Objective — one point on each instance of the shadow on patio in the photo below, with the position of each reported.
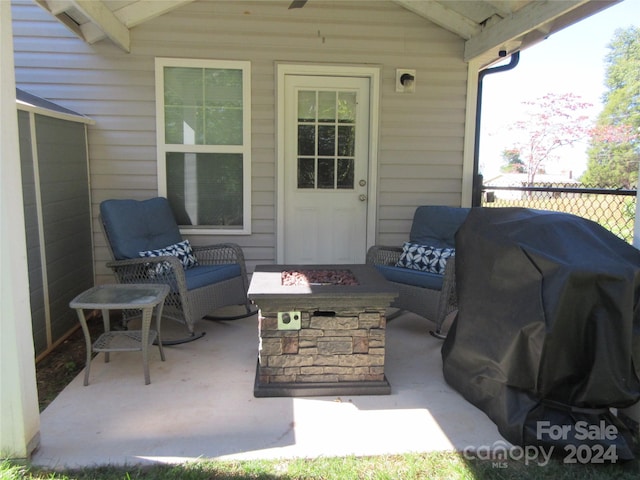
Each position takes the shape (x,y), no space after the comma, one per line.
(200,404)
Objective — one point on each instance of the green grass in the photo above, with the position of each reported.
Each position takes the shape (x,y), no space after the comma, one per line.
(432,466)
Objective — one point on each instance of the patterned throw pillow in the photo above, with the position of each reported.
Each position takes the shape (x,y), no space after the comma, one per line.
(182,250)
(425,258)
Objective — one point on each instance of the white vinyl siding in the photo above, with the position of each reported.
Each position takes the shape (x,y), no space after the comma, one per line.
(421,135)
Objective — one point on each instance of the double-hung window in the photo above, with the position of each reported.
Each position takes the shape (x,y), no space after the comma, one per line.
(204,143)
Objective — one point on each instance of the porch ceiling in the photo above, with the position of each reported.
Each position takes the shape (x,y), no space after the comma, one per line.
(487,26)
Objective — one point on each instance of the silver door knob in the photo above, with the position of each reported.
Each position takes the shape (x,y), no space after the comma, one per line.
(362,197)
(362,182)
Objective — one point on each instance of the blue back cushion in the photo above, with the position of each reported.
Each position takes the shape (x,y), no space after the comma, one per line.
(436,225)
(135,226)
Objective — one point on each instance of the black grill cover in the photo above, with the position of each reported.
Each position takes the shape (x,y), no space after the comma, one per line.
(548,327)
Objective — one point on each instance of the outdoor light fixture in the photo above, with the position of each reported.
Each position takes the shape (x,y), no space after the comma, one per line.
(405,80)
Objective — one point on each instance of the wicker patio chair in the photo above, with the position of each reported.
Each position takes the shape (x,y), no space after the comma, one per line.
(202,279)
(430,295)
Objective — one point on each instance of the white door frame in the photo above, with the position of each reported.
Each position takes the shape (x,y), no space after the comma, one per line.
(370,72)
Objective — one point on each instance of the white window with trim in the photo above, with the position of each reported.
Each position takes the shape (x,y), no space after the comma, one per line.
(203,111)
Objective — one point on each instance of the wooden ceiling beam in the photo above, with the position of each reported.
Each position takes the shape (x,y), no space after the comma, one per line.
(503,7)
(143,10)
(56,7)
(98,13)
(531,17)
(59,9)
(102,22)
(437,13)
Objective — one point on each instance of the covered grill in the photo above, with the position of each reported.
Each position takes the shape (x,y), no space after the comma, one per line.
(547,337)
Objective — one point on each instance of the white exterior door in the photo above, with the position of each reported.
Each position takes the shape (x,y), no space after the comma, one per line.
(326,169)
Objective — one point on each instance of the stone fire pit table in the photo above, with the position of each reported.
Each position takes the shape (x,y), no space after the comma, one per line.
(322,330)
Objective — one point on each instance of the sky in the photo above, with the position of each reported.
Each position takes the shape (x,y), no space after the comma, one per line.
(569,61)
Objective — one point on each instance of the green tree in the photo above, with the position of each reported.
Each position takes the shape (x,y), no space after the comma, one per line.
(615,142)
(512,163)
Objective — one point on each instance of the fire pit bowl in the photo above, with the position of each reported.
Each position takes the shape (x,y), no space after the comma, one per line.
(318,277)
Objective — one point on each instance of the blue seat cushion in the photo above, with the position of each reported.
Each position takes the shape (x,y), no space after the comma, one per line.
(203,275)
(408,276)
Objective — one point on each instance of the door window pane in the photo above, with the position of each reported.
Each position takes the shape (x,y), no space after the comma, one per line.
(347,107)
(306,140)
(326,140)
(306,173)
(346,141)
(327,106)
(306,106)
(326,173)
(345,173)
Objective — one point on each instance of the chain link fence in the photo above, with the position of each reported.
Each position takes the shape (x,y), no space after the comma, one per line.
(613,209)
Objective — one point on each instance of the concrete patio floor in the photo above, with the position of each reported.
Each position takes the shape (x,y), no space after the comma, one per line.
(200,405)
